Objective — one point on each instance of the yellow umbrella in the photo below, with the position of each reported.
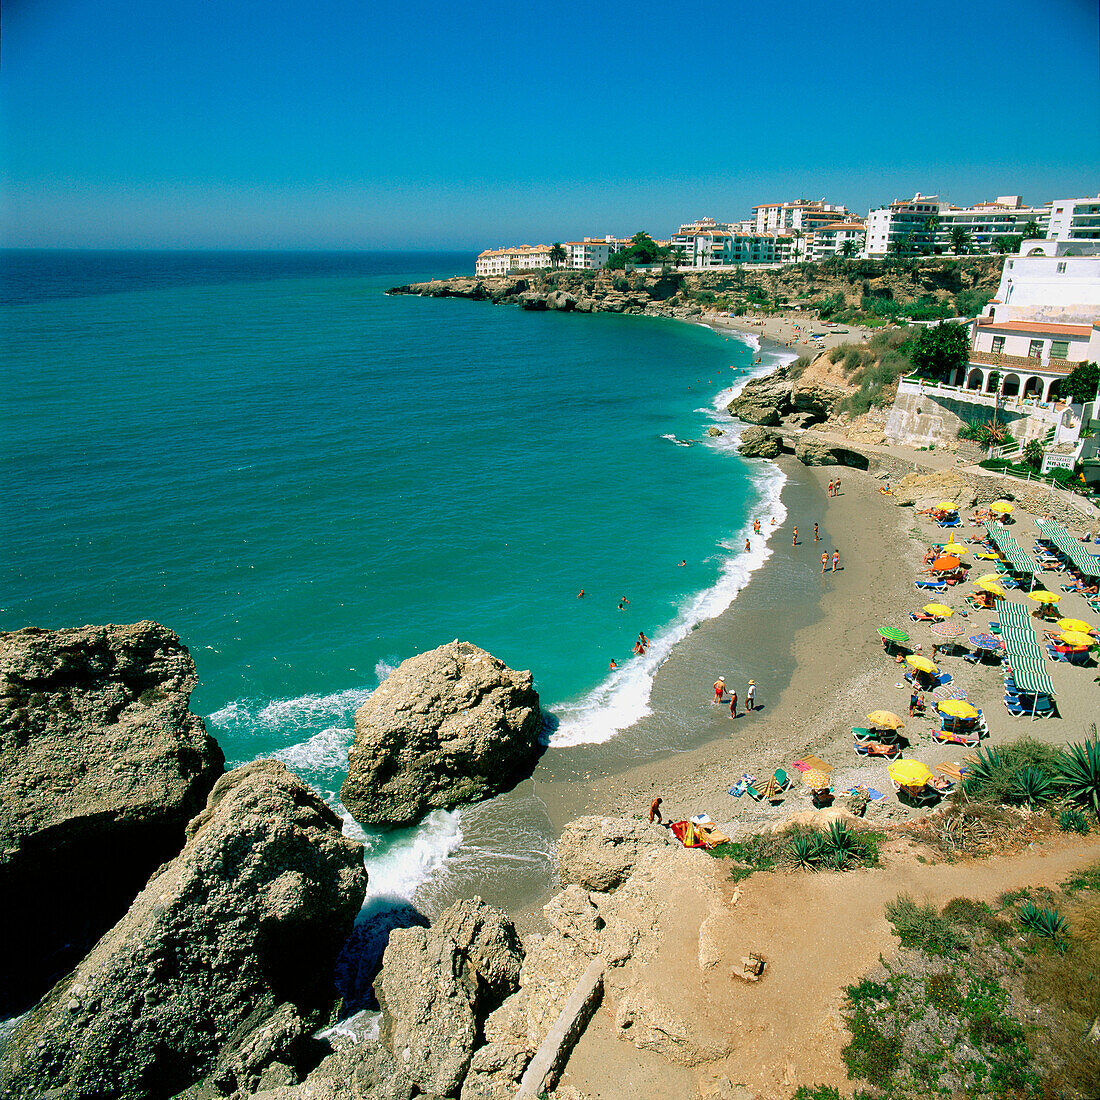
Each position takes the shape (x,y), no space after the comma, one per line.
(938,609)
(1073,624)
(994,577)
(1076,637)
(955,548)
(885,719)
(1001,506)
(956,708)
(816,780)
(948,506)
(1041,595)
(991,587)
(922,663)
(909,773)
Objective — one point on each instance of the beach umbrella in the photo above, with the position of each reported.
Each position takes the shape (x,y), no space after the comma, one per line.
(893,634)
(949,691)
(947,631)
(996,578)
(938,609)
(909,773)
(1041,595)
(886,719)
(992,587)
(956,708)
(1074,624)
(948,506)
(955,548)
(985,641)
(1077,637)
(946,564)
(921,663)
(1001,506)
(816,780)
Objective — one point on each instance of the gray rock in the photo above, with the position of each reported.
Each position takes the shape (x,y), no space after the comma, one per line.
(599,853)
(561,300)
(714,432)
(759,442)
(449,726)
(247,918)
(812,451)
(101,766)
(533,300)
(764,400)
(438,985)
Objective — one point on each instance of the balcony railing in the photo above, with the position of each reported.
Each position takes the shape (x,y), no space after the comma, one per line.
(1023,362)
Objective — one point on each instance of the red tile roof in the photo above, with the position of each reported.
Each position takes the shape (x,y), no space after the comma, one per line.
(1041,328)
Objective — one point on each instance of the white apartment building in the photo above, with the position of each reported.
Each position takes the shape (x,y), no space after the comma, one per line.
(723,247)
(804,214)
(590,254)
(1074,220)
(501,261)
(922,225)
(829,240)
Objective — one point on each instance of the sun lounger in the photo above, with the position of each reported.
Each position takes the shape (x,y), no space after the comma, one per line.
(952,770)
(953,737)
(931,586)
(877,748)
(921,617)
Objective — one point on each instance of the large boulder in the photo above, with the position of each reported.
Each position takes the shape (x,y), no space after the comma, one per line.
(759,442)
(764,400)
(816,398)
(437,987)
(599,853)
(101,766)
(224,961)
(812,450)
(450,726)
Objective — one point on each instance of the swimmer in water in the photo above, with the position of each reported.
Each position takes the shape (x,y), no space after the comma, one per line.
(683,562)
(580,594)
(773,521)
(748,546)
(613,666)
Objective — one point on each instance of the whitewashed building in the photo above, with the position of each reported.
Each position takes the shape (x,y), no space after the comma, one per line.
(830,240)
(590,254)
(805,215)
(1074,220)
(502,261)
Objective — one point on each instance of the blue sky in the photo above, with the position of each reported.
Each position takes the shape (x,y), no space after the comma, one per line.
(377,124)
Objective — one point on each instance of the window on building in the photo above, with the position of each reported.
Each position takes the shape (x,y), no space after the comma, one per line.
(1061,268)
(1059,349)
(1035,350)
(998,345)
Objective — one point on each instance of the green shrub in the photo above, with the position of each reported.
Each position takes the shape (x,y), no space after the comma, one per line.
(921,926)
(837,353)
(1031,787)
(872,1055)
(993,774)
(1078,772)
(1073,821)
(1044,922)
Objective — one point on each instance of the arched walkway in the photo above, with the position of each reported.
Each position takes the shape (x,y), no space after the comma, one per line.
(991,382)
(975,379)
(1012,385)
(1033,387)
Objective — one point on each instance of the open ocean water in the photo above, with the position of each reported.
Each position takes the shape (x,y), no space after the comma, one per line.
(310,481)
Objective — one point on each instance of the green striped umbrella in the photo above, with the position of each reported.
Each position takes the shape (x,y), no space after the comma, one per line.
(893,634)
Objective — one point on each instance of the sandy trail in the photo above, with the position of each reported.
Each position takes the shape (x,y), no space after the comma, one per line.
(820,932)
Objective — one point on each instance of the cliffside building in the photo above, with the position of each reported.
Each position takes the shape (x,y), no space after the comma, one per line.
(501,261)
(830,240)
(1044,322)
(922,225)
(590,254)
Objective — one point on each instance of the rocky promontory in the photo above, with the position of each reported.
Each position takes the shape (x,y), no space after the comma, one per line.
(445,727)
(222,966)
(101,766)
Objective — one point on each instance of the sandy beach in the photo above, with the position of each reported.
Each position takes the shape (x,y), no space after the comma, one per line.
(798,331)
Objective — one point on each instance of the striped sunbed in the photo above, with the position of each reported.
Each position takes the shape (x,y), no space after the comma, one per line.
(1011,551)
(1069,547)
(1023,651)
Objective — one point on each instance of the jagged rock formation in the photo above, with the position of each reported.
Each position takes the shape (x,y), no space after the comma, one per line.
(599,853)
(436,988)
(450,726)
(758,442)
(811,450)
(101,766)
(222,965)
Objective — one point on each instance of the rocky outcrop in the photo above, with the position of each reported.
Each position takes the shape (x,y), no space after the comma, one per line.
(599,853)
(101,765)
(816,398)
(927,489)
(812,450)
(222,965)
(765,400)
(450,726)
(758,442)
(437,987)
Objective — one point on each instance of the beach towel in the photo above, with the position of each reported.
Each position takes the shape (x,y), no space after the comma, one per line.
(811,761)
(874,795)
(687,834)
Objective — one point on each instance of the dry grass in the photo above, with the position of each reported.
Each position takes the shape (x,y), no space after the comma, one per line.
(965,828)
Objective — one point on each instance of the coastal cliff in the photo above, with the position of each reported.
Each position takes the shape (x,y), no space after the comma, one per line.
(101,766)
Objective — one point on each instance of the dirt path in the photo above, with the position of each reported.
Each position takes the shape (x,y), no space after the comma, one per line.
(819,932)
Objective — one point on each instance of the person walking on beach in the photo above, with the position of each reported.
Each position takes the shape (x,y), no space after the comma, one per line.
(817,538)
(750,696)
(748,545)
(836,559)
(655,811)
(830,488)
(719,688)
(824,562)
(836,488)
(794,537)
(733,704)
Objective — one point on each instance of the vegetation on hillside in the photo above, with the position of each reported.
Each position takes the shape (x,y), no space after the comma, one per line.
(643,250)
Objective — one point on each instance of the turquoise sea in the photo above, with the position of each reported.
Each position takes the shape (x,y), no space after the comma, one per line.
(310,480)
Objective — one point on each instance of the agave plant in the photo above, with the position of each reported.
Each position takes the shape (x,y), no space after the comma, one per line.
(1079,773)
(805,849)
(1031,787)
(840,838)
(1073,821)
(984,767)
(1043,922)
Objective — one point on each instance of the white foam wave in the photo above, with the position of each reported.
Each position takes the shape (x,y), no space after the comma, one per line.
(244,715)
(382,670)
(406,860)
(326,751)
(623,697)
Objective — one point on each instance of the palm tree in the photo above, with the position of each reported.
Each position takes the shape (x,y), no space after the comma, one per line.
(1031,230)
(931,225)
(557,254)
(678,255)
(960,238)
(797,234)
(848,249)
